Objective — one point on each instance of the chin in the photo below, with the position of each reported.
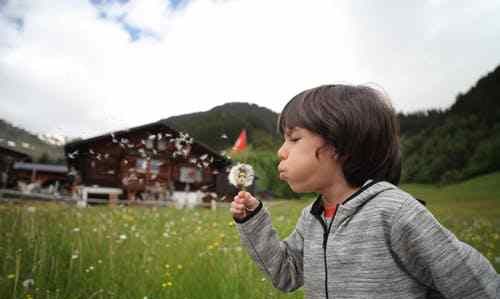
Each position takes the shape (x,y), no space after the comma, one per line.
(297,189)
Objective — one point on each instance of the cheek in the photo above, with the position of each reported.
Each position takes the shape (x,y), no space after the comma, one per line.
(304,172)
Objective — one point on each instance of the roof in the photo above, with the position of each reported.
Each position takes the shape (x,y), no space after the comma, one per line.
(40,167)
(70,147)
(13,152)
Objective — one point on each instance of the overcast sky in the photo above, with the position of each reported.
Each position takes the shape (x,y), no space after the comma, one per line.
(82,68)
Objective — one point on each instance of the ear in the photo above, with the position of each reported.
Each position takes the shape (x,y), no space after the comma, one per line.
(333,152)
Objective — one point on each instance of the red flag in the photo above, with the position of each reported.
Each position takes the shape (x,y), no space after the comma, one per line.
(241,142)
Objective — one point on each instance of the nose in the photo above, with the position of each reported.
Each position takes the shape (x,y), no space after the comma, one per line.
(282,152)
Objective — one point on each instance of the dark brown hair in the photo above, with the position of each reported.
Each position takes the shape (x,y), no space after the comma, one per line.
(358,121)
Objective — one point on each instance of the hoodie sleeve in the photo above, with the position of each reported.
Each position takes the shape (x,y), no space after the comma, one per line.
(437,259)
(281,261)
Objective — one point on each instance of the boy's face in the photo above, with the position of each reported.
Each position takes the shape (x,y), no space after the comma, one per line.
(300,167)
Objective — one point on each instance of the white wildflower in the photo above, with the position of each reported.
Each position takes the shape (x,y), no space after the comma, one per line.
(241,175)
(123,237)
(28,283)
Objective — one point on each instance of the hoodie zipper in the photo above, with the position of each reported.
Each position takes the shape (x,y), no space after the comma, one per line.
(326,233)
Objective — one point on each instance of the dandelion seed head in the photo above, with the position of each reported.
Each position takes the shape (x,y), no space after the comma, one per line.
(241,175)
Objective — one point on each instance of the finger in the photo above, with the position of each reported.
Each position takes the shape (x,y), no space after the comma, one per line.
(242,194)
(238,206)
(238,213)
(238,199)
(245,197)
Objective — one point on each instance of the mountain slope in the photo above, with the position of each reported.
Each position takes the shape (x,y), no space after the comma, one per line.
(211,127)
(460,142)
(23,141)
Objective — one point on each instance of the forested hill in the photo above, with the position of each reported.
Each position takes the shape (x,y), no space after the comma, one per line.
(220,127)
(458,143)
(482,100)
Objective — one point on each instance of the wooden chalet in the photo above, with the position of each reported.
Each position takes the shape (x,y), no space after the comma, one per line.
(8,157)
(152,160)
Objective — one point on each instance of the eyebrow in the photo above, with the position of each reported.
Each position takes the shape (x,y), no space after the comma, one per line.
(290,131)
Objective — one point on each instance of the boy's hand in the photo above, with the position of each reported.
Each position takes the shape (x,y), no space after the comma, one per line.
(242,204)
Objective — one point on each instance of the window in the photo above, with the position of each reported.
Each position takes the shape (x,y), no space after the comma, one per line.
(155,166)
(141,165)
(190,175)
(151,166)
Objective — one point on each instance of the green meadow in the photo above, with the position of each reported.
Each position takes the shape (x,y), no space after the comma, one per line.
(54,250)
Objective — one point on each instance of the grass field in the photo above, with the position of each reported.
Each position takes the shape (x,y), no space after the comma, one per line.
(53,250)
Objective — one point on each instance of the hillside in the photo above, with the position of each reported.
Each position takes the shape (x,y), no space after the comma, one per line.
(458,143)
(221,126)
(23,141)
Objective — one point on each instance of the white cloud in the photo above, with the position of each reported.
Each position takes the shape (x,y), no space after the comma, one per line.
(70,72)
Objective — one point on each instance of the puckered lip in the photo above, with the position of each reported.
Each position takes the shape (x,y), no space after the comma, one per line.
(281,172)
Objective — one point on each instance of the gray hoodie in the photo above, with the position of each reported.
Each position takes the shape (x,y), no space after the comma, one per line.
(382,243)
